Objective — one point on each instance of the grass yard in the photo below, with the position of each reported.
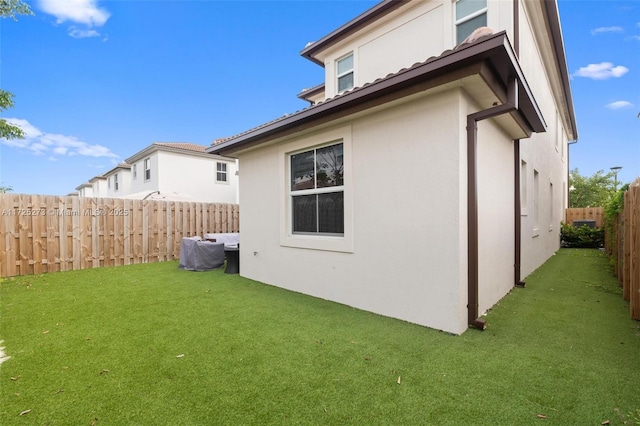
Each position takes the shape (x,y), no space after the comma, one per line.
(154,345)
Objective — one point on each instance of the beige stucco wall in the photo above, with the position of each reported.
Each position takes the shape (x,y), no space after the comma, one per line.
(545,153)
(409,227)
(411,34)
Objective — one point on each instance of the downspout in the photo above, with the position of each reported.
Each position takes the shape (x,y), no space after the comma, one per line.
(517,216)
(517,210)
(472,197)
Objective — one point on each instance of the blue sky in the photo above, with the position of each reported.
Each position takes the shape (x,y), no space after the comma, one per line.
(97,81)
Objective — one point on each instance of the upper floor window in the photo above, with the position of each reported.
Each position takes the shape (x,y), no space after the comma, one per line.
(344,73)
(317,191)
(221,172)
(147,168)
(470,15)
(134,171)
(115,182)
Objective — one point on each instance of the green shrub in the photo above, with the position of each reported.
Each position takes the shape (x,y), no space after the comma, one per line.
(582,237)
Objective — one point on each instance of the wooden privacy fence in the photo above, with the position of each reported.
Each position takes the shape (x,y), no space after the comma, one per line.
(50,233)
(627,248)
(588,213)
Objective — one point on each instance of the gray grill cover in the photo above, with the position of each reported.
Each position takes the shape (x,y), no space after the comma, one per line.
(197,255)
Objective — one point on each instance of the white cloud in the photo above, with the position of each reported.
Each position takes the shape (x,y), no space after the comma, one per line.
(77,33)
(600,30)
(601,71)
(54,145)
(84,12)
(619,105)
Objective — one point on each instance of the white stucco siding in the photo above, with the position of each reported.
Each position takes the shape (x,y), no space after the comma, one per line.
(140,184)
(426,32)
(412,34)
(496,228)
(405,261)
(196,176)
(544,153)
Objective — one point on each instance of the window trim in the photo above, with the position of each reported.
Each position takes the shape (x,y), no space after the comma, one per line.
(225,172)
(341,243)
(345,73)
(147,169)
(458,21)
(134,170)
(115,183)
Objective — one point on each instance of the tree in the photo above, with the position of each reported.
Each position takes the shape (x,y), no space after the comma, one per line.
(5,188)
(9,9)
(590,191)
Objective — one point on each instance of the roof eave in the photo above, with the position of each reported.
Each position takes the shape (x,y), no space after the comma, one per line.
(433,72)
(376,12)
(553,16)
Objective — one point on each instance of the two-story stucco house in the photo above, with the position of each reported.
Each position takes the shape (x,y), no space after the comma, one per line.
(185,169)
(98,186)
(169,171)
(428,176)
(118,181)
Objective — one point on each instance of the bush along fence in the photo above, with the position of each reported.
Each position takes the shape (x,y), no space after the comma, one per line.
(50,233)
(587,213)
(573,234)
(622,227)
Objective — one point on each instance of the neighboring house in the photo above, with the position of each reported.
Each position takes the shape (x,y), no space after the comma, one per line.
(99,186)
(185,169)
(169,171)
(119,181)
(85,190)
(425,180)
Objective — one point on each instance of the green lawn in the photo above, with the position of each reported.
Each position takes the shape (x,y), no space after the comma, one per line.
(154,345)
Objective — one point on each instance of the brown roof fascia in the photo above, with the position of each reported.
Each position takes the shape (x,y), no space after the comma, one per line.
(376,12)
(553,18)
(450,66)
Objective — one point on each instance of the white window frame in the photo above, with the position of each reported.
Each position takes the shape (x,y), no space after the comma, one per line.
(466,18)
(115,183)
(134,171)
(147,169)
(224,172)
(109,182)
(345,73)
(339,243)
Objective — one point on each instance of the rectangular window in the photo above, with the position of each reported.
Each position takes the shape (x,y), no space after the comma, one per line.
(317,191)
(109,182)
(115,182)
(135,171)
(147,169)
(344,73)
(470,15)
(221,172)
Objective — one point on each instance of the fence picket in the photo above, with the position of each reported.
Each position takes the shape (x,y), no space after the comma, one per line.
(40,233)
